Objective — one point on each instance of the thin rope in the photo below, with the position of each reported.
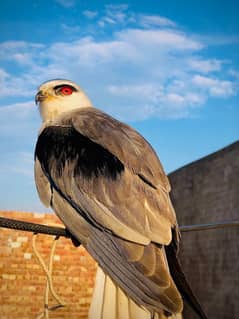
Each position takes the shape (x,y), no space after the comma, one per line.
(33,227)
(209,226)
(59,231)
(49,283)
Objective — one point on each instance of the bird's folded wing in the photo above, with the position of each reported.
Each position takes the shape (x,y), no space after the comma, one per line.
(122,141)
(111,173)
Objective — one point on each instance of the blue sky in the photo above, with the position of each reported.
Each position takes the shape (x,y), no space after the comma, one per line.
(168,68)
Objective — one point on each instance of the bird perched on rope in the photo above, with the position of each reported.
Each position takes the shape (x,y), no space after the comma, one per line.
(107,185)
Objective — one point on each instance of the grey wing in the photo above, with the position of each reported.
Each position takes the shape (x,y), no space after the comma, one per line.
(133,203)
(100,178)
(107,185)
(124,142)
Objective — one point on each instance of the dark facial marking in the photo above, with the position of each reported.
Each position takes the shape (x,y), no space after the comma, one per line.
(59,89)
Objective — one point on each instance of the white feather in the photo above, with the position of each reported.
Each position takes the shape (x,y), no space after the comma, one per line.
(54,105)
(110,302)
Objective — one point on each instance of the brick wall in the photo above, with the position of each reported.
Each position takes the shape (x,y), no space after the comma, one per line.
(22,280)
(202,192)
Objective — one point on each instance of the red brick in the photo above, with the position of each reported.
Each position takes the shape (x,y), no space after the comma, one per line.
(22,281)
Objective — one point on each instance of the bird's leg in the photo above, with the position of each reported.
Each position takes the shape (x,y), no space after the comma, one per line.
(74,240)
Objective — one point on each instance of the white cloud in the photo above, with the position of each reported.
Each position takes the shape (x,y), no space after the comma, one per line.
(183,101)
(205,66)
(20,110)
(156,20)
(70,29)
(155,99)
(234,73)
(20,52)
(107,20)
(133,45)
(116,15)
(17,45)
(90,14)
(3,75)
(143,90)
(14,86)
(158,70)
(161,39)
(114,19)
(217,88)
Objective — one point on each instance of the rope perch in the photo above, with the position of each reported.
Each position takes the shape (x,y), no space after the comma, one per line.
(59,231)
(33,227)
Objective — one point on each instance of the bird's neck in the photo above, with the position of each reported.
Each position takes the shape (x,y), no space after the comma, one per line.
(51,109)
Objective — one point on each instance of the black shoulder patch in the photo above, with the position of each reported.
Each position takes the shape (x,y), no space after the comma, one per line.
(57,145)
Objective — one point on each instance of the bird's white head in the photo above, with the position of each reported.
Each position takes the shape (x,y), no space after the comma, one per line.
(57,96)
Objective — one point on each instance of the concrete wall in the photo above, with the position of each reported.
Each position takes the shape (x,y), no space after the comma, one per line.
(202,192)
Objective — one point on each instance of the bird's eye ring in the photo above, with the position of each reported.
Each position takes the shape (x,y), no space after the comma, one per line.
(66,90)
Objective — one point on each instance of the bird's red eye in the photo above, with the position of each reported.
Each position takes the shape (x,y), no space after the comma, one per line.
(66,90)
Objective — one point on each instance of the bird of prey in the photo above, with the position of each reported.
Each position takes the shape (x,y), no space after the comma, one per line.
(107,185)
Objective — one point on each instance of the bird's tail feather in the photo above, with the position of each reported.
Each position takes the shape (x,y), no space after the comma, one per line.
(110,302)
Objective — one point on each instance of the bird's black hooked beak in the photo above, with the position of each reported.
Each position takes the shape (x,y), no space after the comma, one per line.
(39,97)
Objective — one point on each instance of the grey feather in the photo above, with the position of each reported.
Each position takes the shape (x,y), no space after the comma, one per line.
(108,187)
